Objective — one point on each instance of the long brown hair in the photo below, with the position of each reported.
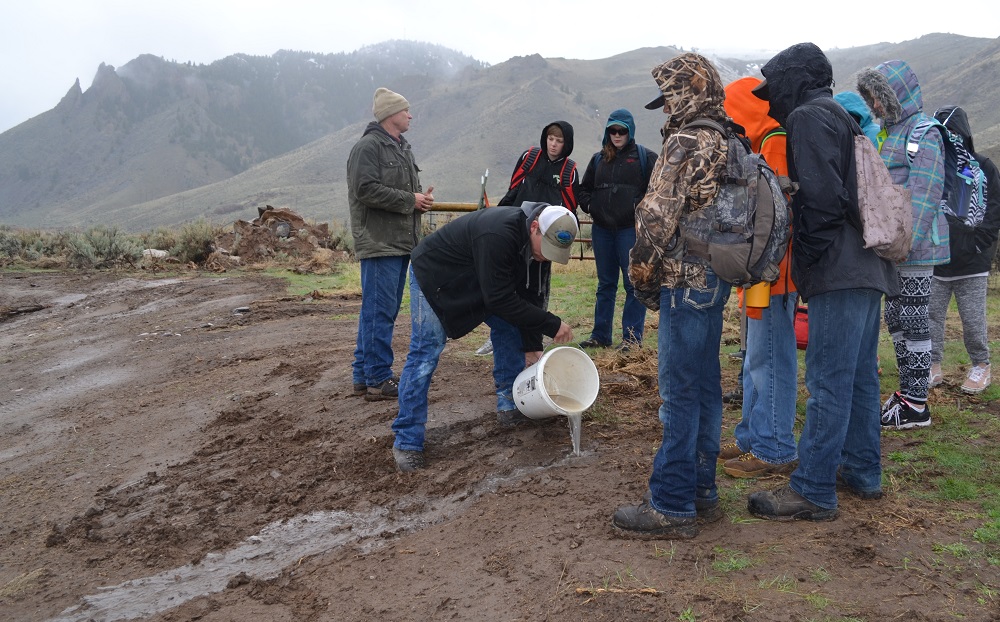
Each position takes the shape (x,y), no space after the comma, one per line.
(608,151)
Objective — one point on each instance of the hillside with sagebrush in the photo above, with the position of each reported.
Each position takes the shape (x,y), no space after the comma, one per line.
(160,143)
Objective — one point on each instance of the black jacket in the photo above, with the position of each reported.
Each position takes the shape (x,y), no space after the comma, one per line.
(972,248)
(610,191)
(828,250)
(479,265)
(544,182)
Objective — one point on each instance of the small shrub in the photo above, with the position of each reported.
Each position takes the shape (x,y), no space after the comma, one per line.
(195,241)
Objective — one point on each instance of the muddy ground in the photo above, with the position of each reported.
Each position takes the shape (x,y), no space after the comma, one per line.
(188,448)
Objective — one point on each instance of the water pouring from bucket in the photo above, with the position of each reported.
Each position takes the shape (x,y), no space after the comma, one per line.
(563,382)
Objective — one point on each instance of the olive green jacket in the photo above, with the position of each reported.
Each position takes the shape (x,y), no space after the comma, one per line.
(382,178)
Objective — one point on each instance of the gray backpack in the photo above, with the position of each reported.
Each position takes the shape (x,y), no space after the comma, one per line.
(743,235)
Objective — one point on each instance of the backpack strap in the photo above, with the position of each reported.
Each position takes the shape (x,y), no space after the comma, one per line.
(566,181)
(643,160)
(528,163)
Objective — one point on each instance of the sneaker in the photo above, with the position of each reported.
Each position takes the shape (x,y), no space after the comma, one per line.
(738,355)
(512,418)
(593,343)
(978,380)
(388,390)
(902,416)
(894,399)
(486,348)
(733,397)
(785,504)
(749,465)
(642,521)
(360,389)
(729,451)
(936,377)
(407,460)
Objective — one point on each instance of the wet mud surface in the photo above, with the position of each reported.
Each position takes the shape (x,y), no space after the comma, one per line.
(164,457)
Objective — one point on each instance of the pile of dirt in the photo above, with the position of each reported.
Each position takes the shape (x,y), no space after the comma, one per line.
(277,232)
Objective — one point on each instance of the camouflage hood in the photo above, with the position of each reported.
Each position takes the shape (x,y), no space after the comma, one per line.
(690,89)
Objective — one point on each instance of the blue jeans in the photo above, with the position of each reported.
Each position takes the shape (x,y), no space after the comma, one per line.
(382,282)
(611,255)
(770,384)
(427,341)
(842,414)
(690,386)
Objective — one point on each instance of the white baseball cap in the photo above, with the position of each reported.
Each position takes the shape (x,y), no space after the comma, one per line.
(559,229)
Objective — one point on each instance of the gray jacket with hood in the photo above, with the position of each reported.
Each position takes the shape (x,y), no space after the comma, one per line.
(828,250)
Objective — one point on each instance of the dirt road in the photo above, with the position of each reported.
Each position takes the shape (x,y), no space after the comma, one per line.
(188,448)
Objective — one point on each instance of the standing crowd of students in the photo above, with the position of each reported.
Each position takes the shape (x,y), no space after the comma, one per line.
(492,267)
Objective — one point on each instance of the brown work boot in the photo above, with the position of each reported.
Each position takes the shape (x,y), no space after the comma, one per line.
(749,465)
(729,451)
(785,504)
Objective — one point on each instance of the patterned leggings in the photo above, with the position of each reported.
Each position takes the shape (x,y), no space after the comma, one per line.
(908,322)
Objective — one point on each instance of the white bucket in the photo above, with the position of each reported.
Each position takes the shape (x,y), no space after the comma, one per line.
(563,382)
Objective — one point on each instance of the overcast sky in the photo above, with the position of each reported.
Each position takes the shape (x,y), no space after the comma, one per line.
(45,45)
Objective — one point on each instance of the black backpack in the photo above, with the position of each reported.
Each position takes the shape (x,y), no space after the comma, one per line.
(743,235)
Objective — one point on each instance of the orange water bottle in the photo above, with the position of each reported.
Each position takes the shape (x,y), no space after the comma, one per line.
(758,295)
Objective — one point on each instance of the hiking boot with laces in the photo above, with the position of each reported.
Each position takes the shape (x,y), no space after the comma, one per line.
(707,511)
(408,460)
(643,521)
(902,416)
(729,451)
(749,465)
(978,380)
(387,390)
(936,377)
(785,504)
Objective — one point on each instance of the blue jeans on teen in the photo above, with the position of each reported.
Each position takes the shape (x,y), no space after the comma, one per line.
(842,414)
(690,380)
(382,282)
(427,341)
(770,384)
(611,256)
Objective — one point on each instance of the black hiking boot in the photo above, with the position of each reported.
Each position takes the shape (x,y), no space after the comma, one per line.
(784,504)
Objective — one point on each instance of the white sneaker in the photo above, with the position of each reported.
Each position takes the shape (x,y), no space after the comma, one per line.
(486,348)
(936,376)
(978,380)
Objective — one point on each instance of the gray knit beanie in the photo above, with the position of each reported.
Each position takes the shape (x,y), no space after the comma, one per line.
(388,103)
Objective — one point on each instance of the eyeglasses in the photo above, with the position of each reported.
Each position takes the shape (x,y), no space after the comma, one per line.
(618,130)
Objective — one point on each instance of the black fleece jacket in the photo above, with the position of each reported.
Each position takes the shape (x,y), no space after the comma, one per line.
(480,265)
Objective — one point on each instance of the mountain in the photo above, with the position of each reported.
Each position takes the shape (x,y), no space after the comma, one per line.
(158,143)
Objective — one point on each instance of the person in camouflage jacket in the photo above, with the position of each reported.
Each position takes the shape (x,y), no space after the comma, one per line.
(684,179)
(690,299)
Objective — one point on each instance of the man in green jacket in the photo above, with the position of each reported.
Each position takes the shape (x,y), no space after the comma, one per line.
(386,202)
